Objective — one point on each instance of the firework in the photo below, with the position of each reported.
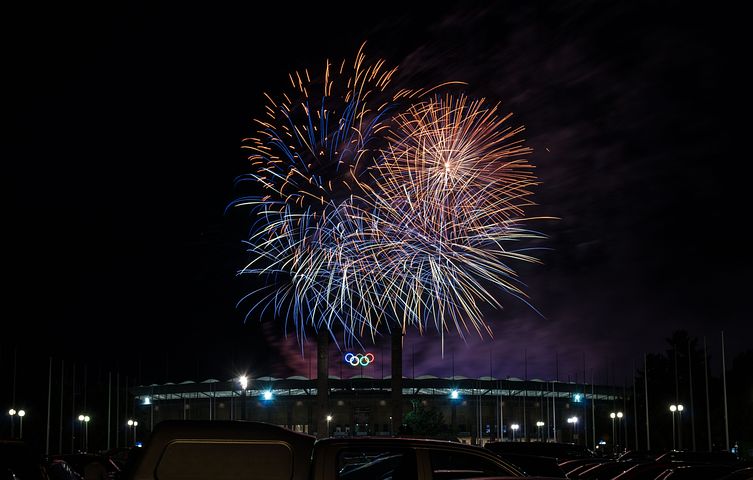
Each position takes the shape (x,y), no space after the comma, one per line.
(384,209)
(449,202)
(310,153)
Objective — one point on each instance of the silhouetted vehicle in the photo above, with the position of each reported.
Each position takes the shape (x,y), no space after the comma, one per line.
(717,458)
(602,471)
(642,471)
(534,465)
(59,470)
(571,467)
(90,466)
(640,456)
(249,450)
(119,455)
(18,461)
(695,472)
(559,451)
(742,474)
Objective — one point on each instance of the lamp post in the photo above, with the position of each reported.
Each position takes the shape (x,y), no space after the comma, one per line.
(81,430)
(680,408)
(514,427)
(619,428)
(540,424)
(133,424)
(619,416)
(574,422)
(84,419)
(12,412)
(673,409)
(243,380)
(329,419)
(21,415)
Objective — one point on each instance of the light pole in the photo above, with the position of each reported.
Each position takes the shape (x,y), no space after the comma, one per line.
(680,408)
(574,422)
(84,419)
(12,412)
(613,415)
(619,427)
(514,427)
(243,380)
(21,415)
(329,419)
(81,423)
(134,424)
(540,424)
(673,409)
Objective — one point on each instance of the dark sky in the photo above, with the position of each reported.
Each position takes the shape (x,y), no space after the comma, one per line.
(124,140)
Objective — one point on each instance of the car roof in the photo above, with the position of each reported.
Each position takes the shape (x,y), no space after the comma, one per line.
(223,449)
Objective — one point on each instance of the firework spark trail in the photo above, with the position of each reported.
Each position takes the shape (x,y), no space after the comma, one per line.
(391,216)
(309,155)
(448,196)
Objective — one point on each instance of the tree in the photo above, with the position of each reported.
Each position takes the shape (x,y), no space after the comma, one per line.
(425,422)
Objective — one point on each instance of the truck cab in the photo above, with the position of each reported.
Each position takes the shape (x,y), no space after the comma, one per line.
(193,450)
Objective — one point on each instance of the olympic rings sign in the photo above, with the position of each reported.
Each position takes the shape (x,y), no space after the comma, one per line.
(359,359)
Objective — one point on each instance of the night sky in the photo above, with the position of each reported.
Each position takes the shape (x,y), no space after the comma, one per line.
(124,141)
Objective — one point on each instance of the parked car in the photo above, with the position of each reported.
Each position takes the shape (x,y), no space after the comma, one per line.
(90,466)
(534,465)
(231,450)
(559,451)
(19,462)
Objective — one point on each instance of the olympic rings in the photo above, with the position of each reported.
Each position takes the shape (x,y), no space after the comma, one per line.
(359,359)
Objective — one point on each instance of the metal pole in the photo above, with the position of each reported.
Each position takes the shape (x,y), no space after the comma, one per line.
(708,408)
(624,410)
(724,383)
(674,437)
(60,420)
(109,407)
(635,409)
(554,411)
(525,393)
(692,405)
(547,412)
(49,399)
(73,410)
(117,409)
(593,411)
(645,396)
(585,405)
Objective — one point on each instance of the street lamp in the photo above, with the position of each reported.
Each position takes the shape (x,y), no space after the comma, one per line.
(514,428)
(680,408)
(134,424)
(454,395)
(84,419)
(673,409)
(21,415)
(243,380)
(540,424)
(614,435)
(329,419)
(619,428)
(12,412)
(574,422)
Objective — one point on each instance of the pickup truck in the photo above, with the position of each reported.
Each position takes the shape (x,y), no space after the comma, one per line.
(232,450)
